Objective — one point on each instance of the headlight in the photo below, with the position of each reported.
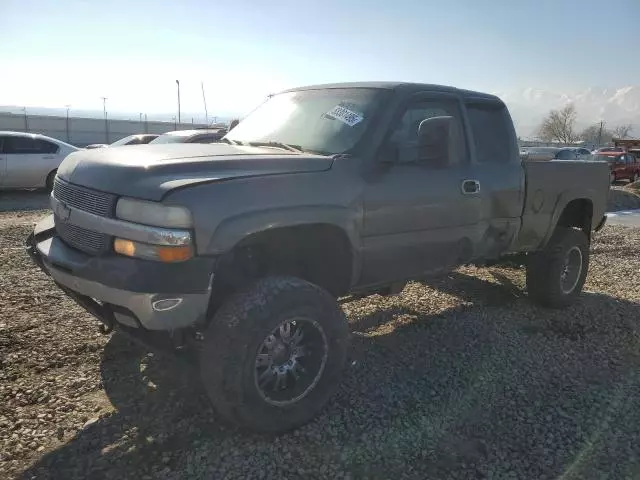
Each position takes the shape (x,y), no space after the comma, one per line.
(153,213)
(161,253)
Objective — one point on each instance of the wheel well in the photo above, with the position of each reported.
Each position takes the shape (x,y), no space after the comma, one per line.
(577,213)
(318,253)
(48,182)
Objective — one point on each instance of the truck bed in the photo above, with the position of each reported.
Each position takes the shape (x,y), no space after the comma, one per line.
(549,186)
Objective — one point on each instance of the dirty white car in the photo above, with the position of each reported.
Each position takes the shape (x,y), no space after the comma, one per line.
(29,160)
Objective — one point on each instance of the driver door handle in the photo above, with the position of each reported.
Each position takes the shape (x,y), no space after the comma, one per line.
(470,187)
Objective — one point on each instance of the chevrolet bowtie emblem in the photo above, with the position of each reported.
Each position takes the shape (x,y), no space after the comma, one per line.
(63,211)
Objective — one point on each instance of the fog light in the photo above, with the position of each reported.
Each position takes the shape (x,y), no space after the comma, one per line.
(166,304)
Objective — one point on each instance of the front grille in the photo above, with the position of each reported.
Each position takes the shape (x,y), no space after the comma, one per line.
(92,201)
(93,243)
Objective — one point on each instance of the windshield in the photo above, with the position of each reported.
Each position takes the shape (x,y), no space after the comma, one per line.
(123,141)
(170,138)
(327,121)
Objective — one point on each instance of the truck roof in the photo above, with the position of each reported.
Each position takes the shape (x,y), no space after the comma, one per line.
(406,87)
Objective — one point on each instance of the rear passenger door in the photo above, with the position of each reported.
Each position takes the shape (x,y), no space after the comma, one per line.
(28,161)
(495,162)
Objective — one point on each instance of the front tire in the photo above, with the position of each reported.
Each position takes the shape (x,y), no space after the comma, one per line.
(273,354)
(556,275)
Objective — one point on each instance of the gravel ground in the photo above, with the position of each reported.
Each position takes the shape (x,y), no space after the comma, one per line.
(459,377)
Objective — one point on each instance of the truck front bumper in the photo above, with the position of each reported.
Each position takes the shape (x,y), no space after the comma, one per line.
(126,294)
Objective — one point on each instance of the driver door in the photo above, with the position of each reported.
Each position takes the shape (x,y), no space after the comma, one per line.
(419,217)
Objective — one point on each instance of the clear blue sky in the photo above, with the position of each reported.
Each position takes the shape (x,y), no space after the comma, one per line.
(57,52)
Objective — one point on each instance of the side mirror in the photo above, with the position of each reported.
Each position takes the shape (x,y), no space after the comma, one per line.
(434,141)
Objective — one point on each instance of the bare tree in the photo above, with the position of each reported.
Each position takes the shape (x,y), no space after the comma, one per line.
(622,131)
(595,135)
(559,126)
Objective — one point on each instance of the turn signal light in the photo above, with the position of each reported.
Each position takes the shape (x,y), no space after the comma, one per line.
(161,253)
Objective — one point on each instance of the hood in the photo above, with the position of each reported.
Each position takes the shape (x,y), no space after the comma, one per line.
(150,171)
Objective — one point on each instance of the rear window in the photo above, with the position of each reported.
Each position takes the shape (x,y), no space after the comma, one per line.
(491,130)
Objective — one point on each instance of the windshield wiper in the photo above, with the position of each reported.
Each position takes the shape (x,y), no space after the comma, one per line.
(285,146)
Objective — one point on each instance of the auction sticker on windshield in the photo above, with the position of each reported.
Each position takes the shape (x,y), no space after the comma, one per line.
(345,115)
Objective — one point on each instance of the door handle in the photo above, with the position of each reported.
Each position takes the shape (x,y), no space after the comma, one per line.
(48,157)
(470,187)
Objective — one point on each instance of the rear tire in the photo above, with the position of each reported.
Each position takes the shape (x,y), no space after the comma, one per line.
(273,354)
(556,275)
(635,178)
(49,182)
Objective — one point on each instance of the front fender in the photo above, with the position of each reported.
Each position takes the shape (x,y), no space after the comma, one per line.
(232,230)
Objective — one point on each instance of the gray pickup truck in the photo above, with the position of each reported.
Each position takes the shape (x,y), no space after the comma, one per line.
(237,251)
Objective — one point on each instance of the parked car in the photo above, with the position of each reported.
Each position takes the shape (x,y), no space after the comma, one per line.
(608,150)
(203,135)
(30,160)
(237,251)
(554,153)
(572,153)
(139,139)
(623,166)
(583,153)
(539,154)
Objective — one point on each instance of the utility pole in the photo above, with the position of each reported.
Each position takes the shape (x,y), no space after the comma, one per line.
(178,83)
(175,125)
(146,124)
(204,100)
(106,122)
(26,122)
(68,135)
(600,134)
(140,118)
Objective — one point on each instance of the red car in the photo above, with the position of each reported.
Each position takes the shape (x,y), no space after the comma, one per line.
(624,166)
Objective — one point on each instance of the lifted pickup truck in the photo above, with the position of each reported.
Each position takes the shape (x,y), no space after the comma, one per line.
(237,251)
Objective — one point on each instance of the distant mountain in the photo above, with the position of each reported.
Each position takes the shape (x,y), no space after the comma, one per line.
(615,106)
